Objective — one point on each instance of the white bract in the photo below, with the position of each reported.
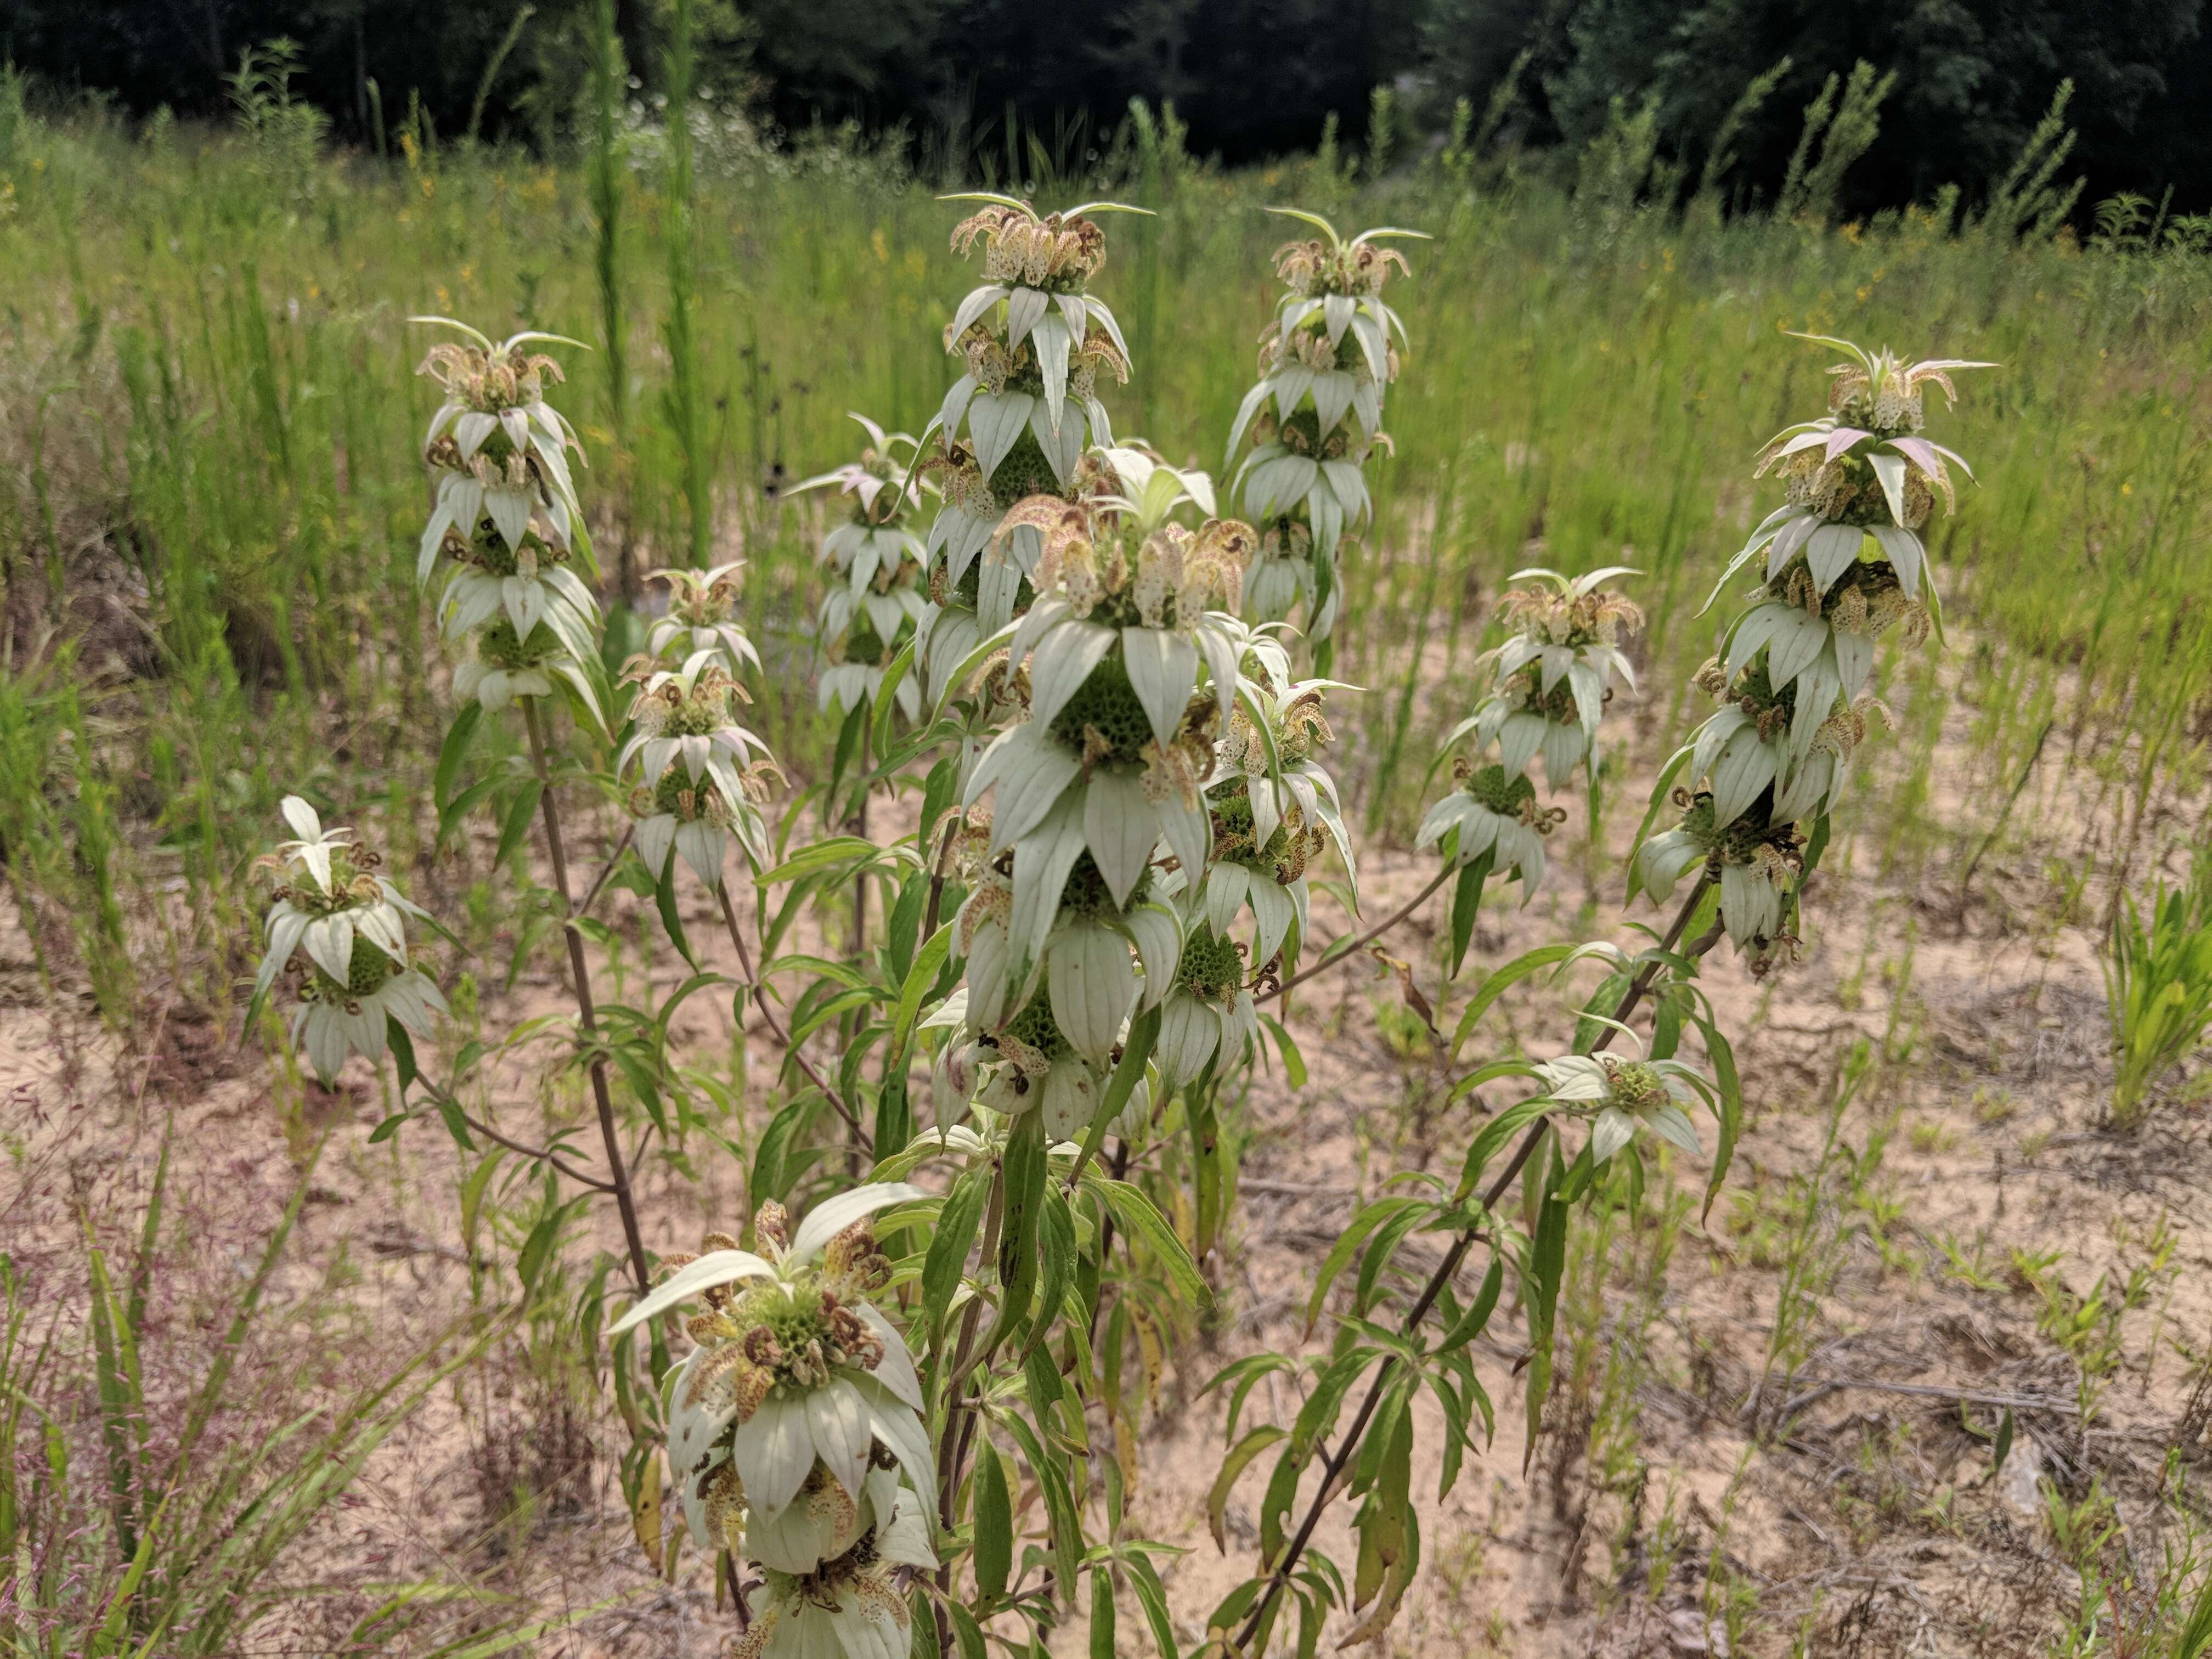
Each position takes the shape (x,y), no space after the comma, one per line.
(874,558)
(1209,1015)
(1273,810)
(506,518)
(342,928)
(701,616)
(1315,416)
(790,1424)
(1552,678)
(1019,421)
(1628,1095)
(704,775)
(1842,563)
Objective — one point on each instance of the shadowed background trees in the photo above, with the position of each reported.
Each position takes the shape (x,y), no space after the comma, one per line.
(1972,77)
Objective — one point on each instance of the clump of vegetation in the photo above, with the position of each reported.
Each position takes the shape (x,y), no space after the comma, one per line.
(2157,982)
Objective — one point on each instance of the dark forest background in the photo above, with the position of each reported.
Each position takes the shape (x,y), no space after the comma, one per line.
(1251,78)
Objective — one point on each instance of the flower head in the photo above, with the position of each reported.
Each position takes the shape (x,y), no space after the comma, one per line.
(1495,813)
(1020,420)
(876,600)
(1860,472)
(688,715)
(1625,1095)
(340,926)
(701,616)
(1315,416)
(800,1394)
(506,518)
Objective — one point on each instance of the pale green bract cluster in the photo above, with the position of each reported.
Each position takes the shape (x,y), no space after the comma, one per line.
(875,600)
(1130,666)
(1842,563)
(506,522)
(1274,811)
(1550,682)
(342,928)
(702,776)
(1019,421)
(1625,1097)
(701,616)
(795,1429)
(1314,418)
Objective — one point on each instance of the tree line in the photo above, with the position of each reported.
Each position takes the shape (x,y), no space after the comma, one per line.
(967,84)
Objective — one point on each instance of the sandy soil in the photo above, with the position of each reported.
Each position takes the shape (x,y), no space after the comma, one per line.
(1851,1501)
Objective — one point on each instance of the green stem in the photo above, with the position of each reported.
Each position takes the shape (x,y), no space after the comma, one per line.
(586,1010)
(1333,1467)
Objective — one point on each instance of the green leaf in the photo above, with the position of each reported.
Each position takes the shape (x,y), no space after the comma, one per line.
(454,811)
(1140,1219)
(1603,1000)
(1363,1222)
(1491,1139)
(1294,1063)
(671,921)
(928,963)
(1212,1177)
(995,1525)
(1056,1252)
(2003,1449)
(828,854)
(1544,955)
(516,824)
(1023,1175)
(769,1178)
(1542,1275)
(402,1045)
(453,751)
(938,791)
(1153,1597)
(1730,1109)
(1101,1612)
(905,925)
(1467,901)
(1388,1237)
(1217,1500)
(1136,1050)
(1065,1524)
(966,1631)
(1472,1323)
(887,695)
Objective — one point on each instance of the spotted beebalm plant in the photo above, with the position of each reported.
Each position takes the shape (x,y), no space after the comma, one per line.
(339,928)
(873,557)
(1316,417)
(1550,682)
(1130,665)
(1274,811)
(505,524)
(1018,423)
(701,776)
(794,1425)
(1841,562)
(702,615)
(1553,676)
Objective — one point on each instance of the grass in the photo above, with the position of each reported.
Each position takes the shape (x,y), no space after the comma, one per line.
(212,410)
(2158,982)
